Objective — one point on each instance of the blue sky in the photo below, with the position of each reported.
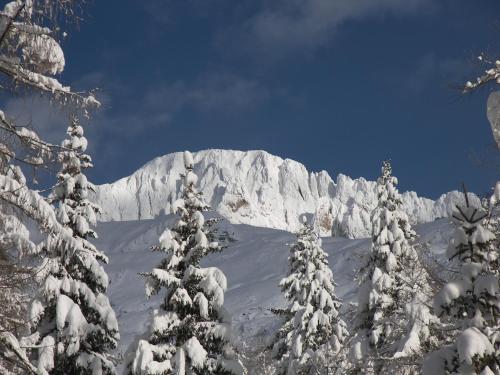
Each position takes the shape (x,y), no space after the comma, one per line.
(338,85)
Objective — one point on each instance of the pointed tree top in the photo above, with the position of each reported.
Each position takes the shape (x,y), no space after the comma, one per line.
(465,194)
(188,160)
(386,169)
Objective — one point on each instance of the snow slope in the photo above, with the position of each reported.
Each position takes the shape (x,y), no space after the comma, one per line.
(259,189)
(254,262)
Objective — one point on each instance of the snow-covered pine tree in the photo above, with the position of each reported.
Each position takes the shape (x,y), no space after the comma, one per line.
(30,57)
(191,331)
(470,305)
(71,192)
(312,328)
(392,320)
(71,311)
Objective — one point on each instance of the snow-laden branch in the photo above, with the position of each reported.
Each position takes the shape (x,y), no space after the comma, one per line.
(490,75)
(35,207)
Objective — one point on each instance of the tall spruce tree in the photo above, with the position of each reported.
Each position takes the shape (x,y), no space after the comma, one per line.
(312,328)
(71,317)
(191,332)
(470,304)
(392,320)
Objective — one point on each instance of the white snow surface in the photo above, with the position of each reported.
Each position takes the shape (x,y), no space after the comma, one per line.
(260,189)
(254,263)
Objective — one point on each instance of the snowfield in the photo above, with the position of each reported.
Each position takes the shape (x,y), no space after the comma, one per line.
(254,262)
(260,189)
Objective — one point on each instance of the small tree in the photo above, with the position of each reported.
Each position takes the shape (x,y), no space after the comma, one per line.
(392,320)
(470,305)
(312,328)
(72,319)
(190,333)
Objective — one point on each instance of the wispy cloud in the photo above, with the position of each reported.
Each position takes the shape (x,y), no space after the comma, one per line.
(280,28)
(125,112)
(221,93)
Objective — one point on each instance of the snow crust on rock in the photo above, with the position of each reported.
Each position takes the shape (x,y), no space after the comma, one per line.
(260,189)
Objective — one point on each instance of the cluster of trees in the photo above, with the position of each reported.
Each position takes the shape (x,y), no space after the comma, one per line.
(407,321)
(55,316)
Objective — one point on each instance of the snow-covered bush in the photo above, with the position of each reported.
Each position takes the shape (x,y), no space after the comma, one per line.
(312,328)
(470,304)
(191,331)
(392,321)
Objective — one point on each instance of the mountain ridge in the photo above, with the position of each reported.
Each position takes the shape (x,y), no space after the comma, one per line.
(260,189)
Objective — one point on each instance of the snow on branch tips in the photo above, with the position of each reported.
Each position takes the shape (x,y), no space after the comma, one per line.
(30,55)
(491,75)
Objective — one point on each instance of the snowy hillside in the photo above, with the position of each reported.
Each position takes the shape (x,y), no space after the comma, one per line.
(259,189)
(254,262)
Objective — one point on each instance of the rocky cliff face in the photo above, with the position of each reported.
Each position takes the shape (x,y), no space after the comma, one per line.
(260,189)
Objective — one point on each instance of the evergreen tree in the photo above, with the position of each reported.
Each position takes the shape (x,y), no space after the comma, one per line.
(392,320)
(190,333)
(72,320)
(30,58)
(312,329)
(469,305)
(70,194)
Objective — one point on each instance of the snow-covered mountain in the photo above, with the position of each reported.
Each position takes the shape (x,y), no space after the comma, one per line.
(260,189)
